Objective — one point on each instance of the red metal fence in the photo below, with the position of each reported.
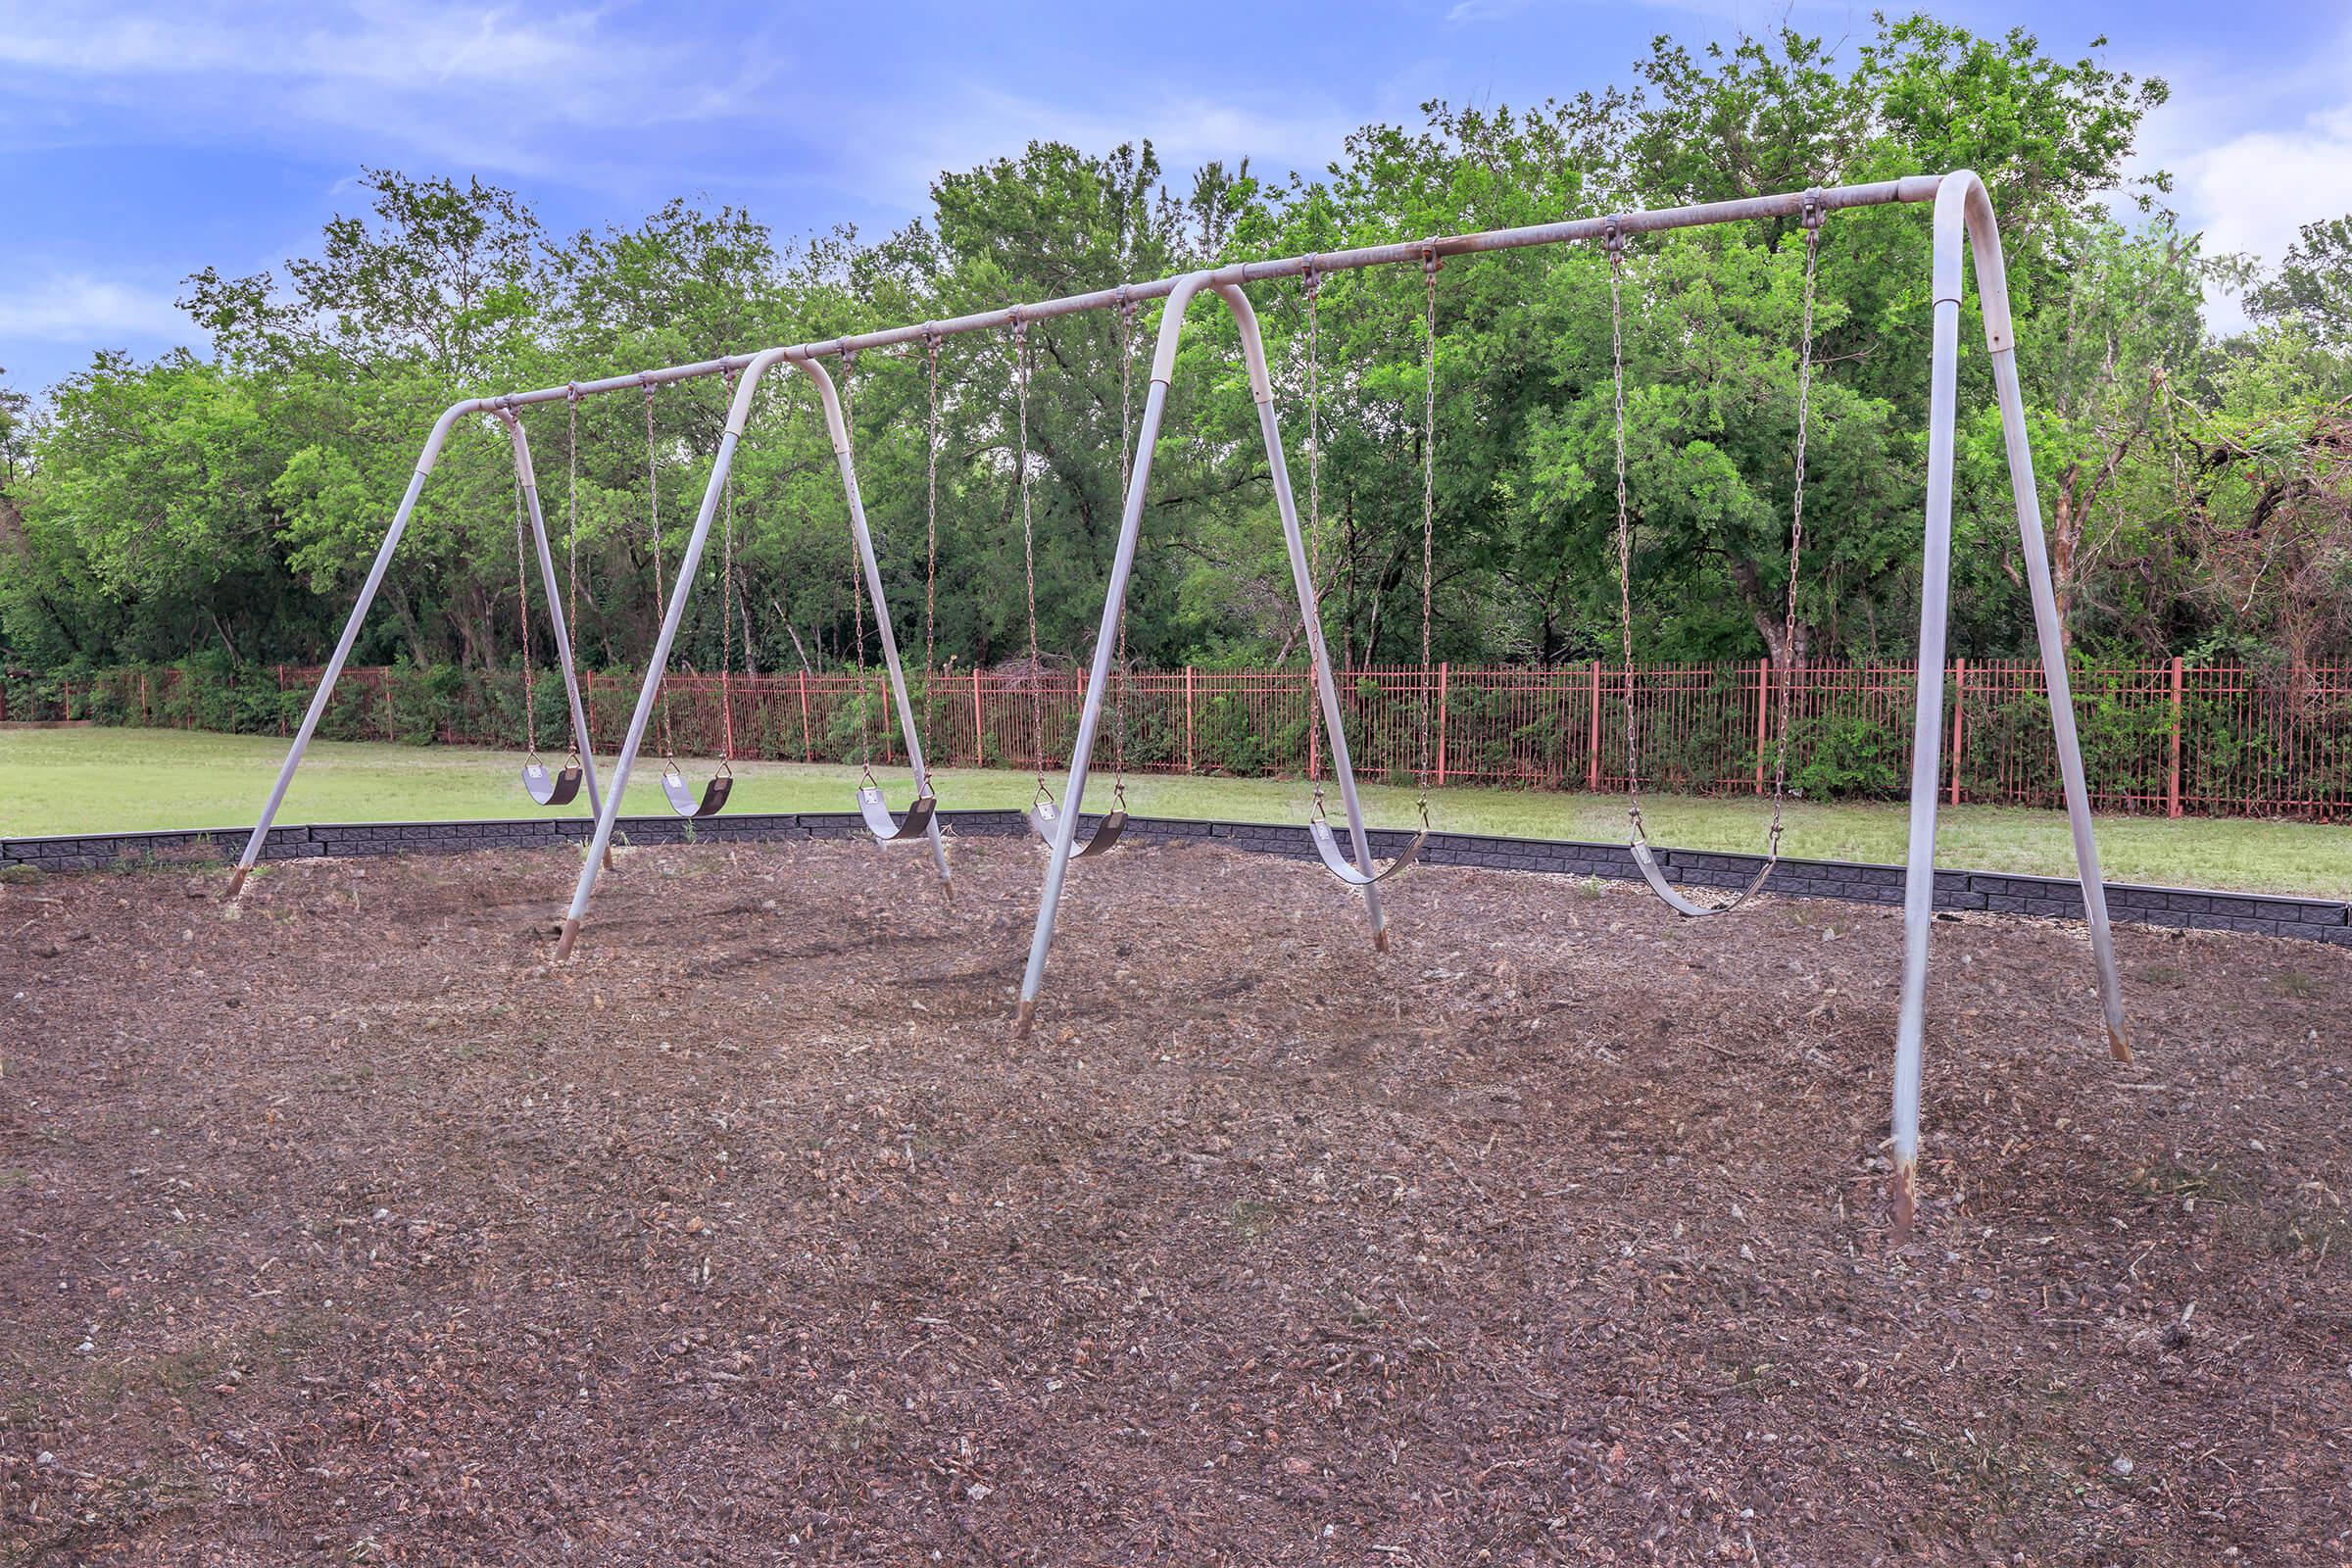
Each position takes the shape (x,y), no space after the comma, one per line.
(2170,737)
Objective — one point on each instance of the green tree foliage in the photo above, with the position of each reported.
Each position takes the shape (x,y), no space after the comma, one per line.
(2195,488)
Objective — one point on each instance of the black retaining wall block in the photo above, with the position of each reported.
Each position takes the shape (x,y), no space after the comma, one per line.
(1993,892)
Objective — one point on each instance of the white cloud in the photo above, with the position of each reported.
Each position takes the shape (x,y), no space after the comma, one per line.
(493,87)
(1485,9)
(905,154)
(76,308)
(2255,190)
(2257,150)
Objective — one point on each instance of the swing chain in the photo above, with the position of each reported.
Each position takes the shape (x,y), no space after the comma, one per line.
(866,716)
(1127,307)
(653,494)
(1429,495)
(726,600)
(1037,689)
(571,529)
(1310,285)
(1615,234)
(1811,218)
(931,341)
(523,614)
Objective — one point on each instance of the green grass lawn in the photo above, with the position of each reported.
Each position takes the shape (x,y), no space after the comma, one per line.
(93,780)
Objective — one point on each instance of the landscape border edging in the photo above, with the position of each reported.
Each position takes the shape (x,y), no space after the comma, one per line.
(1991,892)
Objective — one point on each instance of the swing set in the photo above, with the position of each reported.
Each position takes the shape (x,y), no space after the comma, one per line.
(1964,229)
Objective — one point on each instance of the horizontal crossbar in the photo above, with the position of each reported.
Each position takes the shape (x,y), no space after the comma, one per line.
(1789,204)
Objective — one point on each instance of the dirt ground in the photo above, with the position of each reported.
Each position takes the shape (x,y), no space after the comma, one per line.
(338,1226)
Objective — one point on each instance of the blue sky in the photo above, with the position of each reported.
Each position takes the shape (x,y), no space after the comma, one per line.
(141,142)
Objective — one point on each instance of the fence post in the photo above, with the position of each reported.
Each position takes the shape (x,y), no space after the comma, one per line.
(1592,734)
(1763,677)
(979,724)
(1444,677)
(808,749)
(2172,785)
(1188,719)
(1959,712)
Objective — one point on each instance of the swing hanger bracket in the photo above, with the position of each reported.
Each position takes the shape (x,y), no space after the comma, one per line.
(1310,276)
(1613,237)
(1431,261)
(1815,208)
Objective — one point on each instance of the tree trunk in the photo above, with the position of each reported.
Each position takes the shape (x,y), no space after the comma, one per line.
(1770,619)
(2065,538)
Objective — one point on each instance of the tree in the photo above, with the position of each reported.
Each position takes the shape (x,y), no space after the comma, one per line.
(2313,285)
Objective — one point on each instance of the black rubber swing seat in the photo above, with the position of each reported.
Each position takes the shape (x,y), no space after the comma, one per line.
(1648,865)
(889,829)
(682,800)
(1045,820)
(550,789)
(1338,864)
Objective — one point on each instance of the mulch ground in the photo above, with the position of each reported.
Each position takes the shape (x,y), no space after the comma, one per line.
(340,1226)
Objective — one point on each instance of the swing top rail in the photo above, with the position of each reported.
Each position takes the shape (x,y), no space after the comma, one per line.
(1417,252)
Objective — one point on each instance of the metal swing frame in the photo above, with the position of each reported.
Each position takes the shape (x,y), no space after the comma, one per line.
(1964,229)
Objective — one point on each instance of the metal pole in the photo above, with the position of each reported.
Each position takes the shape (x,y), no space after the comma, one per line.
(838,428)
(1927,733)
(1959,720)
(1963,217)
(343,644)
(1593,733)
(1302,578)
(1114,599)
(524,471)
(2171,783)
(2053,660)
(1792,204)
(688,563)
(1962,199)
(1763,696)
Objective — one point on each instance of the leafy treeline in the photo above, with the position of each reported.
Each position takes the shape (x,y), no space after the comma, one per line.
(2196,488)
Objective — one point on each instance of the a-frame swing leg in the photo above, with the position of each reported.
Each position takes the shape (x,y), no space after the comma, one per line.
(599,848)
(343,644)
(1253,353)
(1963,217)
(527,472)
(838,428)
(1098,674)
